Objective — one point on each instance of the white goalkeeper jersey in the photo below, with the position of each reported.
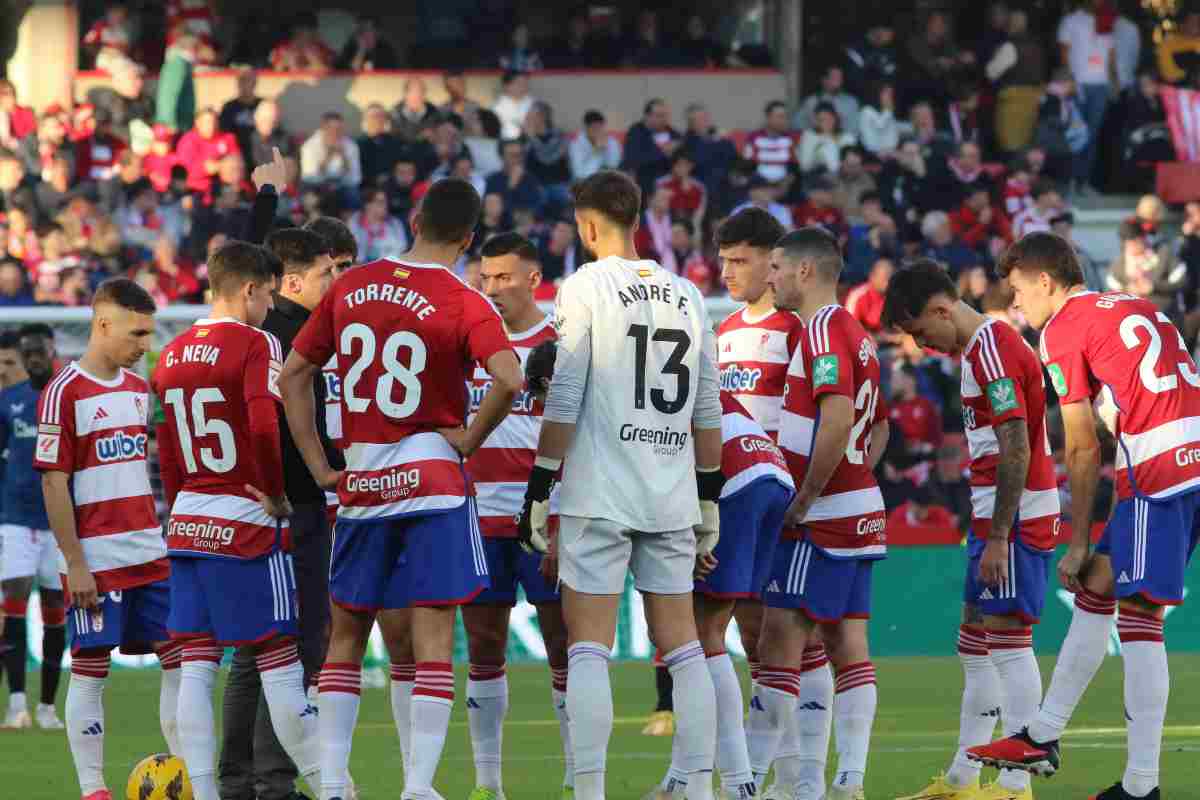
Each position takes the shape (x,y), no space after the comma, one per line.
(636,368)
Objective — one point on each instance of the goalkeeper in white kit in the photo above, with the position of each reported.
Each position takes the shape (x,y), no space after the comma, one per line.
(634,410)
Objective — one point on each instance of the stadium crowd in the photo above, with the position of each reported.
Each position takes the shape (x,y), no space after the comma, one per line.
(909,143)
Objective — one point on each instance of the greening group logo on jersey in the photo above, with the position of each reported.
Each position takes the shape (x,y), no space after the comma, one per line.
(825,370)
(1058,379)
(1003,395)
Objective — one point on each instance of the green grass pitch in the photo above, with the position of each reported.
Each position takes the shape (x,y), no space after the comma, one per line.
(914,737)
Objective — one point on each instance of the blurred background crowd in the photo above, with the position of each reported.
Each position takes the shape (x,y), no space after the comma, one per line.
(906,141)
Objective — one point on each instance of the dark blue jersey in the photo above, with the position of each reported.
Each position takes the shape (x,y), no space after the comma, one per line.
(22,490)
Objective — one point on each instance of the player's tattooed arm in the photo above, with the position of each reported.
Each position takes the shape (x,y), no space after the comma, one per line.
(1012,470)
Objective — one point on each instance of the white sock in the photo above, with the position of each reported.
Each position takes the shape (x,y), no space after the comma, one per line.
(758,733)
(590,710)
(294,720)
(810,728)
(696,714)
(168,708)
(85,720)
(339,692)
(487,705)
(558,698)
(403,676)
(676,777)
(1021,681)
(853,715)
(981,698)
(432,701)
(732,758)
(1147,685)
(197,730)
(1081,655)
(773,705)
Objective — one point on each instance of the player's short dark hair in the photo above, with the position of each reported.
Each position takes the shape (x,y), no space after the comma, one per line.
(237,263)
(612,194)
(337,236)
(813,244)
(509,243)
(1043,251)
(912,287)
(296,248)
(771,106)
(591,117)
(449,211)
(751,226)
(39,329)
(124,293)
(10,340)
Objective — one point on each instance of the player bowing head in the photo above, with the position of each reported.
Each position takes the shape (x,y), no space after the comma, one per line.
(122,321)
(1114,341)
(244,276)
(1015,511)
(804,264)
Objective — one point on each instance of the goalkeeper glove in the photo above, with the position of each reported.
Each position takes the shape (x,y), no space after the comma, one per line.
(533,522)
(539,367)
(708,485)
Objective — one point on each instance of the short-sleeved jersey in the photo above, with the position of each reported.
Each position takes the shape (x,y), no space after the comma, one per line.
(753,355)
(836,357)
(747,454)
(1125,343)
(22,498)
(405,336)
(1001,381)
(500,467)
(206,379)
(95,431)
(635,342)
(772,152)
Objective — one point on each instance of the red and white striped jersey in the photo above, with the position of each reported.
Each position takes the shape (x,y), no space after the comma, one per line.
(747,453)
(836,356)
(206,378)
(405,336)
(500,467)
(753,355)
(1002,381)
(1126,344)
(772,152)
(95,431)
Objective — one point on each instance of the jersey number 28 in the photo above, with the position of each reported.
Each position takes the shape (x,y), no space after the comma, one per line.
(394,371)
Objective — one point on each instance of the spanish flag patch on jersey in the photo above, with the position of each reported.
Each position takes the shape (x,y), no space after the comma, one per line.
(200,334)
(400,273)
(645,273)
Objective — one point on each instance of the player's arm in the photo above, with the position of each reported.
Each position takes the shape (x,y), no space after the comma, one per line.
(170,467)
(300,407)
(881,432)
(1012,471)
(572,365)
(60,510)
(828,450)
(707,442)
(507,382)
(1082,458)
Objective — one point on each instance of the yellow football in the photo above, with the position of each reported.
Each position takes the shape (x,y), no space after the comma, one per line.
(159,777)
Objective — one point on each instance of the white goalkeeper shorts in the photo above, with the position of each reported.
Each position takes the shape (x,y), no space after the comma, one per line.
(595,554)
(28,552)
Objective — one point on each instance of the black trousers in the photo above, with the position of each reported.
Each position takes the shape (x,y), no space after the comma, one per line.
(253,764)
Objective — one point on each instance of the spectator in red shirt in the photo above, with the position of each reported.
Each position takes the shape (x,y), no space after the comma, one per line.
(16,121)
(169,277)
(690,258)
(689,198)
(158,162)
(1018,188)
(653,237)
(201,149)
(819,209)
(865,301)
(304,51)
(920,521)
(916,416)
(980,226)
(98,154)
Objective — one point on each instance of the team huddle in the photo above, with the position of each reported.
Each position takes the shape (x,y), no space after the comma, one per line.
(730,471)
